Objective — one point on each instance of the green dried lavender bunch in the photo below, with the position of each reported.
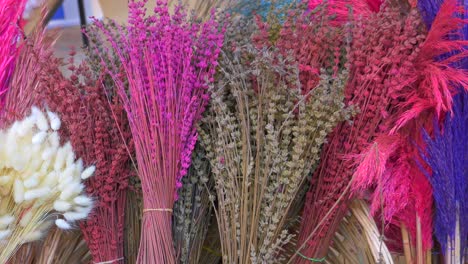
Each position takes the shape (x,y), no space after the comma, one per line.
(263,138)
(193,209)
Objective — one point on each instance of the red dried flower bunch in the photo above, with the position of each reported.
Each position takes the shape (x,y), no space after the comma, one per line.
(96,124)
(109,146)
(398,85)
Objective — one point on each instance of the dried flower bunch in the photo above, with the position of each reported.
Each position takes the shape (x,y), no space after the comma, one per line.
(263,137)
(374,67)
(41,181)
(447,157)
(52,250)
(98,129)
(168,60)
(358,239)
(193,209)
(397,84)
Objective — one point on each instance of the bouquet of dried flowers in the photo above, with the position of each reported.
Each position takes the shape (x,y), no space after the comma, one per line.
(263,138)
(41,181)
(168,60)
(193,209)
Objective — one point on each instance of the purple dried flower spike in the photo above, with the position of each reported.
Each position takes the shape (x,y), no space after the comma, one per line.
(169,61)
(447,155)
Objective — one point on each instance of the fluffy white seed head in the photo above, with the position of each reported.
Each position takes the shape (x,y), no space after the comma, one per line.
(62,224)
(33,236)
(48,153)
(54,120)
(6,220)
(62,206)
(18,191)
(39,138)
(70,159)
(79,165)
(31,182)
(74,216)
(38,172)
(36,193)
(83,200)
(54,139)
(60,159)
(88,172)
(41,120)
(5,179)
(4,234)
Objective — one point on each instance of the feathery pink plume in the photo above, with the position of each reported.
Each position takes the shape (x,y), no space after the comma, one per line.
(372,163)
(436,78)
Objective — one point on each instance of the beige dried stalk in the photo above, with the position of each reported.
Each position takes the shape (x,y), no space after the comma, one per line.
(25,254)
(358,239)
(63,247)
(263,138)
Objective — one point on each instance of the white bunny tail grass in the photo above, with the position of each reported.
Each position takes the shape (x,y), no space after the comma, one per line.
(40,183)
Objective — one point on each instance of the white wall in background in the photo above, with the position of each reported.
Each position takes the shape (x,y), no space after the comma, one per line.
(72,14)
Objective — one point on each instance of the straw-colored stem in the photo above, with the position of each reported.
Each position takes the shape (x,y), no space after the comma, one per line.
(419,248)
(406,244)
(448,251)
(457,240)
(428,256)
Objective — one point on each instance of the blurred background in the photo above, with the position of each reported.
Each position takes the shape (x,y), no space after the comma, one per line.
(68,16)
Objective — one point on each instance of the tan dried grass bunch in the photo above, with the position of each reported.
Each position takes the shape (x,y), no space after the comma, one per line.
(263,138)
(358,239)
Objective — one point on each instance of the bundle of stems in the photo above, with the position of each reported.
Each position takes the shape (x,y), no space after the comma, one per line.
(358,239)
(62,247)
(447,157)
(25,254)
(263,137)
(382,73)
(41,177)
(168,60)
(98,128)
(193,209)
(41,181)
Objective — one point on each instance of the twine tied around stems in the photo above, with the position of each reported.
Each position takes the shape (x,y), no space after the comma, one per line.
(157,210)
(311,259)
(109,261)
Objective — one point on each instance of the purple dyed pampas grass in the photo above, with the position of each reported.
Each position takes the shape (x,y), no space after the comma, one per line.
(169,62)
(447,155)
(10,15)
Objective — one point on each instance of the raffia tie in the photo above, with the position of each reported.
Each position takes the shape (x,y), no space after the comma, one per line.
(109,261)
(157,210)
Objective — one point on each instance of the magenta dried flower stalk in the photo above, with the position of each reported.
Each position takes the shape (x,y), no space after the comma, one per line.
(169,62)
(10,15)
